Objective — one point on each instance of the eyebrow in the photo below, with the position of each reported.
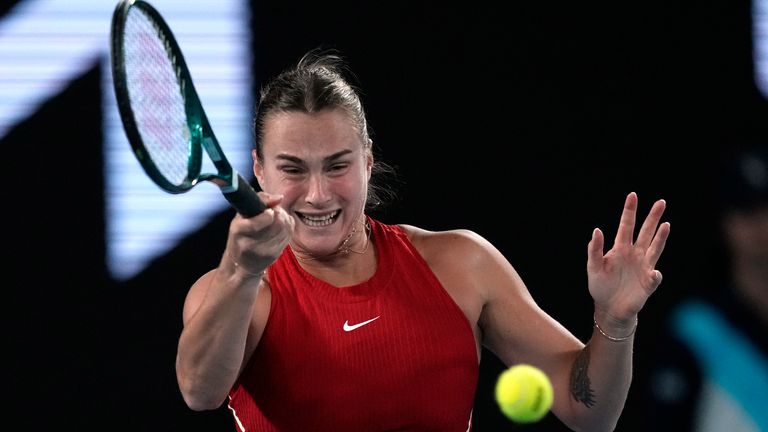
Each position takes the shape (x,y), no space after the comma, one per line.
(326,159)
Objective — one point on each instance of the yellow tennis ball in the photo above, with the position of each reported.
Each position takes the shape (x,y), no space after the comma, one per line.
(524,393)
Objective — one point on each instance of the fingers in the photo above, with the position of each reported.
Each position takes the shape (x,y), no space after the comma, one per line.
(280,226)
(627,224)
(280,218)
(270,200)
(284,219)
(652,236)
(270,223)
(657,245)
(648,229)
(595,251)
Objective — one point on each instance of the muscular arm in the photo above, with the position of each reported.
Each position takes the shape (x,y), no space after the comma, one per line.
(214,344)
(505,317)
(620,282)
(226,310)
(591,382)
(600,379)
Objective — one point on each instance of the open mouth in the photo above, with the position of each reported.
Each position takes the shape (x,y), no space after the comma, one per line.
(319,220)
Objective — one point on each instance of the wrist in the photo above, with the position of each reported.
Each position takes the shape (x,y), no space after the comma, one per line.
(614,329)
(241,270)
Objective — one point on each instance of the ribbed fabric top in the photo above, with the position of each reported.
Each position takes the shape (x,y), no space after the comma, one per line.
(392,353)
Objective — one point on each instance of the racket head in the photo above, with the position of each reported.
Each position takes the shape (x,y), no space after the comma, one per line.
(161,112)
(162,115)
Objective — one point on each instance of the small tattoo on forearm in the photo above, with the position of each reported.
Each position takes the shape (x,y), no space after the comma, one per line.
(580,385)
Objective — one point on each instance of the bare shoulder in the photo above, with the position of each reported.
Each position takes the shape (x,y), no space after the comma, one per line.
(463,262)
(462,259)
(456,238)
(458,243)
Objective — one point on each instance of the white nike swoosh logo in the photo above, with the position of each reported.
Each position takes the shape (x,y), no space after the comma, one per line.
(349,328)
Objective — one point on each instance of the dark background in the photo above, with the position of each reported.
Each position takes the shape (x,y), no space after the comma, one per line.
(527,123)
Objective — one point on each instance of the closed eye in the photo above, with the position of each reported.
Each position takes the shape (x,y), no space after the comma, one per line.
(291,170)
(338,167)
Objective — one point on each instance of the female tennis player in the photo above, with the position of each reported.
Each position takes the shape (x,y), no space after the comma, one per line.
(320,317)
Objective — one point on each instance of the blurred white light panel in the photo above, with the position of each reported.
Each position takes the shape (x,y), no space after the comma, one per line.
(45,44)
(760,45)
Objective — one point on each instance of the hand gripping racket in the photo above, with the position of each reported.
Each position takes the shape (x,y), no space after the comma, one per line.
(161,111)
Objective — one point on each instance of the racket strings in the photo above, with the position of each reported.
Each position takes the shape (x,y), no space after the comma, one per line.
(156,97)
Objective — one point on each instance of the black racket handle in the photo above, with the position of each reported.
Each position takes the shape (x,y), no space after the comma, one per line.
(244,199)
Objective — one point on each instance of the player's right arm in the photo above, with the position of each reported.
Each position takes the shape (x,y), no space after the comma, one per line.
(226,310)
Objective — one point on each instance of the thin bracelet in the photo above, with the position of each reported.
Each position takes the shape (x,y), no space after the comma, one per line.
(243,269)
(612,338)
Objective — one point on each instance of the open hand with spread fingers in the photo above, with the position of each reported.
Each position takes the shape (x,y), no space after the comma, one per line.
(622,279)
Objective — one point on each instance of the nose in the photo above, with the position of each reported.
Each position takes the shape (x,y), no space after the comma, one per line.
(317,193)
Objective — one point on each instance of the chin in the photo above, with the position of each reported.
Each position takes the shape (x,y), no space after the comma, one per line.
(314,247)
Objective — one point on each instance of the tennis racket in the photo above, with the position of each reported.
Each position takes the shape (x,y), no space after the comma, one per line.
(161,112)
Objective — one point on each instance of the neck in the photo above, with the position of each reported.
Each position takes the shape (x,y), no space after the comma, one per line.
(352,263)
(361,230)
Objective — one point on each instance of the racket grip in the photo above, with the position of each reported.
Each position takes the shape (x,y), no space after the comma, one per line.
(244,199)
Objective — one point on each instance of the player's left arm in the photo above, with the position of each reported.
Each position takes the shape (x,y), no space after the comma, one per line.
(517,330)
(591,382)
(505,317)
(620,282)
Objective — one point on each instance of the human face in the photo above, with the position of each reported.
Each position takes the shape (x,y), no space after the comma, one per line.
(318,163)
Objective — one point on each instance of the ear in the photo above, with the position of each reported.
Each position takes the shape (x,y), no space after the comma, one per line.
(258,169)
(369,159)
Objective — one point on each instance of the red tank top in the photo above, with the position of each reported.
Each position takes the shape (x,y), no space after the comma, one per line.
(392,353)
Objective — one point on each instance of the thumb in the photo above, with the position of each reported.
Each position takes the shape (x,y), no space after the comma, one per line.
(270,200)
(595,251)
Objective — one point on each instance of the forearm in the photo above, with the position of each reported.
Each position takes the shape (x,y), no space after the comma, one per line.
(601,375)
(212,344)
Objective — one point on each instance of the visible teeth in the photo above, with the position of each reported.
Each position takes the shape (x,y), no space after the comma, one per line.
(319,218)
(318,221)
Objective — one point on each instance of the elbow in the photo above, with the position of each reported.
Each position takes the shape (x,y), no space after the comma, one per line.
(196,403)
(598,424)
(591,428)
(581,418)
(199,397)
